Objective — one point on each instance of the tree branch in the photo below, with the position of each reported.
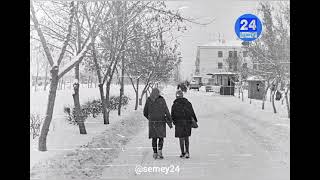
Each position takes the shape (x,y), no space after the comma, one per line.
(75,60)
(65,43)
(42,38)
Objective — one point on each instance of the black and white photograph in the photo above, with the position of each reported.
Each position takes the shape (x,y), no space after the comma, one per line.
(173,89)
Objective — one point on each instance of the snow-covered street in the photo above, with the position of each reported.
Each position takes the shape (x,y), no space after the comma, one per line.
(235,140)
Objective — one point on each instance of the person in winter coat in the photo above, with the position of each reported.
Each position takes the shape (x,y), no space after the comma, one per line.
(182,112)
(157,112)
(182,87)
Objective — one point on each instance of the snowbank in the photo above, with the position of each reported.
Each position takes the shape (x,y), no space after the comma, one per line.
(63,136)
(88,160)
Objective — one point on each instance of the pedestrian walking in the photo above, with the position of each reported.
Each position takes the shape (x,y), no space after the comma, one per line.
(182,86)
(187,83)
(157,112)
(182,114)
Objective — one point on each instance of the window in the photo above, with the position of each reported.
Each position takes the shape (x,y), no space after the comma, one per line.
(234,53)
(220,54)
(230,53)
(230,66)
(245,53)
(219,65)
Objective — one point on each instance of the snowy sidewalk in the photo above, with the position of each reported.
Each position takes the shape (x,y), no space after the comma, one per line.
(219,148)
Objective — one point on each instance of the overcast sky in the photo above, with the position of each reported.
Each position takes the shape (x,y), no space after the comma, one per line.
(225,14)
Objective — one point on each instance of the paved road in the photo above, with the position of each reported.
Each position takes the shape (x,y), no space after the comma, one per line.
(232,142)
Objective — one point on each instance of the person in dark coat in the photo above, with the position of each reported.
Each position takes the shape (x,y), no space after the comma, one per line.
(182,87)
(157,112)
(182,112)
(187,83)
(179,86)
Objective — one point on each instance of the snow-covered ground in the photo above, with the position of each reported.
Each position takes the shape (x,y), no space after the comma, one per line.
(83,162)
(280,107)
(63,136)
(235,140)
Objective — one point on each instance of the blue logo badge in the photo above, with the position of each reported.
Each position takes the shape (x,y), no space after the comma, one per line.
(248,27)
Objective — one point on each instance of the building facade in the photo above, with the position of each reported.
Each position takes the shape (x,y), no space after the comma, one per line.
(214,57)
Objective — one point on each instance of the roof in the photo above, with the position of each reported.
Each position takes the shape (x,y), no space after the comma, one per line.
(223,44)
(255,78)
(224,73)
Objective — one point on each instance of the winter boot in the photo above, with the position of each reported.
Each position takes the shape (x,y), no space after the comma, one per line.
(160,154)
(155,155)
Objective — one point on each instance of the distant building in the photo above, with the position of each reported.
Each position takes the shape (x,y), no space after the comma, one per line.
(212,57)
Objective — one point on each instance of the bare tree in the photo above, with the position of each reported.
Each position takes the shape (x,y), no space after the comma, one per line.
(271,51)
(56,71)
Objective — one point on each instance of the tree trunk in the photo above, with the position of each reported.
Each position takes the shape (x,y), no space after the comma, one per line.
(37,76)
(103,102)
(143,92)
(239,89)
(141,97)
(242,94)
(283,97)
(42,146)
(122,85)
(99,79)
(264,98)
(79,116)
(272,100)
(106,120)
(46,77)
(287,102)
(137,95)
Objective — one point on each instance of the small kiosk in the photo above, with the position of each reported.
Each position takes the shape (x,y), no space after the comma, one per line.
(256,87)
(226,81)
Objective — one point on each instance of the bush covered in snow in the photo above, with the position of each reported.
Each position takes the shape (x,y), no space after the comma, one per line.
(83,162)
(94,108)
(35,124)
(114,101)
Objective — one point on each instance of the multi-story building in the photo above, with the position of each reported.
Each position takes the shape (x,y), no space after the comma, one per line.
(212,57)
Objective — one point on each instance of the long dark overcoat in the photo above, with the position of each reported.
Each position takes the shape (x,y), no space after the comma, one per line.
(181,113)
(158,114)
